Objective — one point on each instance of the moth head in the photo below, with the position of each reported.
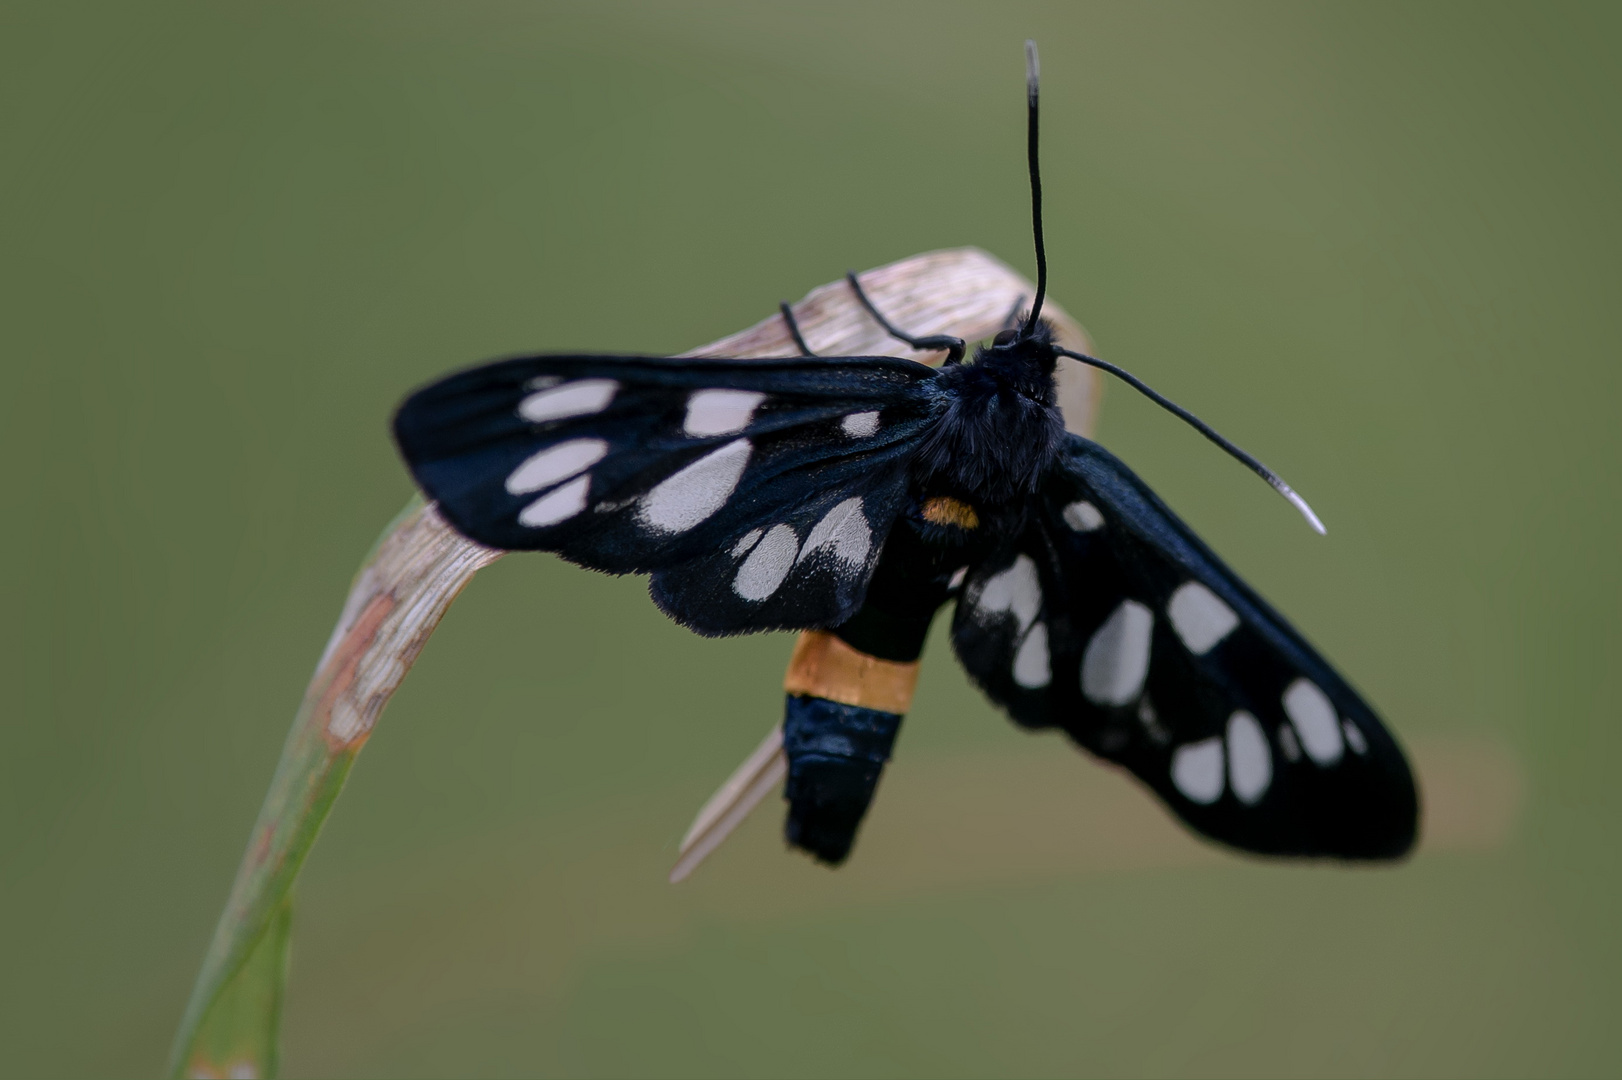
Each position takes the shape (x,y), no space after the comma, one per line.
(1022,345)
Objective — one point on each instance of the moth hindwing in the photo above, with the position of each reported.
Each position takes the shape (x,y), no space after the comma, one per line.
(1108,618)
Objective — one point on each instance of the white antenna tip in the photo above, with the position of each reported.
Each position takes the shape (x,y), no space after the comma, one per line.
(1306,511)
(1033,69)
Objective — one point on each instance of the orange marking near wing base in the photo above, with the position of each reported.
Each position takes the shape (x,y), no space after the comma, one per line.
(824,666)
(945,510)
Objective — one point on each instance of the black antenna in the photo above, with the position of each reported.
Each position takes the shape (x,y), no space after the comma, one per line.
(1033,72)
(1204,429)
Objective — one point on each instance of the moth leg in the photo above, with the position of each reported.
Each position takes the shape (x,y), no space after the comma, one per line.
(954,346)
(794,328)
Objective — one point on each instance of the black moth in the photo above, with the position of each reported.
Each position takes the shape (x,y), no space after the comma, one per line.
(857,495)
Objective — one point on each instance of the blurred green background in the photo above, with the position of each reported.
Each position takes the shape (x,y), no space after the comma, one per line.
(1377,245)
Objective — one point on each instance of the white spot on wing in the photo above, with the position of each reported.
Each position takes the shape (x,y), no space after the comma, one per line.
(745,542)
(556,505)
(1250,762)
(859,425)
(1031,669)
(1200,618)
(1083,516)
(1196,770)
(688,496)
(1016,589)
(579,398)
(1314,718)
(766,567)
(1354,738)
(720,412)
(1117,658)
(845,531)
(555,463)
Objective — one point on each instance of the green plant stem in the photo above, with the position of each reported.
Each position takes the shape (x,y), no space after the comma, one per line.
(402,589)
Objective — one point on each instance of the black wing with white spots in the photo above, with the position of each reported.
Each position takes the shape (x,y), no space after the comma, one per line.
(805,566)
(758,491)
(1110,619)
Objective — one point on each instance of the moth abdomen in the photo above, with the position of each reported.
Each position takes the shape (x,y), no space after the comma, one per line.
(836,753)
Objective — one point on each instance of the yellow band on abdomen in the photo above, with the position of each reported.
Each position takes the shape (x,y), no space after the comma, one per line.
(824,666)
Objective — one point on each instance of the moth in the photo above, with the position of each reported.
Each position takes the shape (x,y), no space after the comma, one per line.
(855,496)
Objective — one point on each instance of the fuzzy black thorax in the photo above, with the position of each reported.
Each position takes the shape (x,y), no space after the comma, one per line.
(1001,427)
